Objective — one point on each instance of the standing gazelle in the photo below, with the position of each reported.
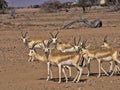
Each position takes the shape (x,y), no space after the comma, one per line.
(61,59)
(42,57)
(68,47)
(106,45)
(29,43)
(101,55)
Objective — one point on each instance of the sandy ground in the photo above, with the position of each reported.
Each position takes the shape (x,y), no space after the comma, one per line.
(16,73)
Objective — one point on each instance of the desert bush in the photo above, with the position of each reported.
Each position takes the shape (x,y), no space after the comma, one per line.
(51,6)
(3,6)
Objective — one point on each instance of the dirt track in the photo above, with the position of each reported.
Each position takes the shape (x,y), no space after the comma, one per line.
(18,74)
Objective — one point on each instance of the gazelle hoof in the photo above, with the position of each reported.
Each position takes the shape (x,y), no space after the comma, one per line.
(47,79)
(66,81)
(59,82)
(74,81)
(88,75)
(98,76)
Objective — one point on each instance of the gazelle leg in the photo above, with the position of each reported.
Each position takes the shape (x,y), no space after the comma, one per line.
(63,70)
(111,66)
(69,69)
(118,69)
(113,70)
(76,76)
(51,75)
(59,66)
(48,67)
(104,70)
(30,58)
(80,73)
(88,67)
(99,66)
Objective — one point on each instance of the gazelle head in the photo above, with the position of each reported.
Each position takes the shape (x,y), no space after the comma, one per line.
(105,43)
(83,45)
(76,45)
(54,38)
(47,47)
(24,37)
(32,51)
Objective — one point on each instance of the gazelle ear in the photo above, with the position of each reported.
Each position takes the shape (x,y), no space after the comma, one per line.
(58,38)
(88,46)
(27,37)
(21,37)
(22,34)
(105,39)
(79,40)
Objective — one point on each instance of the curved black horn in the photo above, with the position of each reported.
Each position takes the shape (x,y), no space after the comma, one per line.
(49,42)
(26,34)
(75,40)
(79,40)
(44,43)
(52,35)
(84,44)
(56,34)
(22,34)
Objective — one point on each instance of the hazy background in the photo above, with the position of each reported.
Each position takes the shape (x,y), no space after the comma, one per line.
(19,3)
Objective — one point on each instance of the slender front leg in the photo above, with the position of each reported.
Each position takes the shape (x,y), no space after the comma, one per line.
(63,70)
(51,75)
(48,67)
(99,66)
(88,67)
(30,58)
(77,73)
(76,76)
(59,66)
(104,70)
(80,73)
(111,67)
(113,70)
(69,69)
(116,69)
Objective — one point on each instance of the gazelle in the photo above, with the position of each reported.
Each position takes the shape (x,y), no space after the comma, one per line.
(29,43)
(68,47)
(101,55)
(106,45)
(42,57)
(62,59)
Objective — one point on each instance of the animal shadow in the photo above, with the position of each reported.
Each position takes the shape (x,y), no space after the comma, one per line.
(62,79)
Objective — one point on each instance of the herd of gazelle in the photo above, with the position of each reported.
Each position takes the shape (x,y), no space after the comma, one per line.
(71,55)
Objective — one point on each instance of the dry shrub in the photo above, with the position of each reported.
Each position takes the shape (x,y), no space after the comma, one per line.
(51,6)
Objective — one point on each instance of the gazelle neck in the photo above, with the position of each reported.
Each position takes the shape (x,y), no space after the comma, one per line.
(41,57)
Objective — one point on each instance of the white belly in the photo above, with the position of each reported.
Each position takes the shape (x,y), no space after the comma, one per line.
(107,58)
(68,62)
